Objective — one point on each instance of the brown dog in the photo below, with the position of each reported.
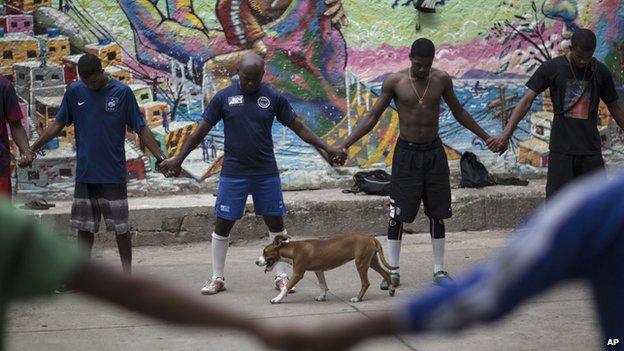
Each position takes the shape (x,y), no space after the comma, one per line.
(322,255)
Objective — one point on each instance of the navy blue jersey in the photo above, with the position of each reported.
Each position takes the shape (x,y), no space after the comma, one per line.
(100,119)
(247,122)
(580,235)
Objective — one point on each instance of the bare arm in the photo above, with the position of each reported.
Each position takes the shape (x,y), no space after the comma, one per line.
(50,133)
(154,299)
(147,139)
(461,115)
(172,165)
(519,112)
(20,137)
(306,134)
(368,122)
(500,143)
(617,113)
(331,154)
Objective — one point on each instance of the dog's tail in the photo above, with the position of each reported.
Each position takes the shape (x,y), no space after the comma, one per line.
(381,255)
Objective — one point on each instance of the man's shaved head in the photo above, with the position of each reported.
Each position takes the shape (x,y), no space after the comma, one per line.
(250,72)
(251,61)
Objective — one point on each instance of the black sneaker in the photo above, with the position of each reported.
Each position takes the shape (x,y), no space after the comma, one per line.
(442,278)
(395,278)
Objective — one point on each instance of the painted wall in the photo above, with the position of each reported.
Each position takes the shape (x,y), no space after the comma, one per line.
(329,58)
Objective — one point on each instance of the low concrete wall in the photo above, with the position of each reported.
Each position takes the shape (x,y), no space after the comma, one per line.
(315,213)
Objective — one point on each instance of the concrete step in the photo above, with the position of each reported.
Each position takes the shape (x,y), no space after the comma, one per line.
(312,213)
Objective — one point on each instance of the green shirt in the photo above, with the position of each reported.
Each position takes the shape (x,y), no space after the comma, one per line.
(33,262)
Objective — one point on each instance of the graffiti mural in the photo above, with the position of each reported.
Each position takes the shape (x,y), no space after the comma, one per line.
(328,57)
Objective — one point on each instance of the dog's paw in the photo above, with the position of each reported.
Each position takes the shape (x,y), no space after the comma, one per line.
(275,300)
(355,299)
(320,298)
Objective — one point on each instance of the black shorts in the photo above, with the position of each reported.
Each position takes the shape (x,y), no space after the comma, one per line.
(420,172)
(563,168)
(93,201)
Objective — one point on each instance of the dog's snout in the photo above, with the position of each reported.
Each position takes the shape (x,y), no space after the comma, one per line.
(261,261)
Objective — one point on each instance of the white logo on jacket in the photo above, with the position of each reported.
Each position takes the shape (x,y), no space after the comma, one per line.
(264,102)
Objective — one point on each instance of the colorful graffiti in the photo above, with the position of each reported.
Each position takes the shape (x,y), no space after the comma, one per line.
(328,57)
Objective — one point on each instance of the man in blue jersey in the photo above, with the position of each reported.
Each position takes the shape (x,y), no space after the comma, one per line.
(247,109)
(579,236)
(100,108)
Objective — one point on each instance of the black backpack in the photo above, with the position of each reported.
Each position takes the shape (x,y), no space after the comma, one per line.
(375,182)
(473,173)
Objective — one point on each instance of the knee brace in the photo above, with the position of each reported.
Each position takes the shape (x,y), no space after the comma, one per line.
(395,230)
(436,228)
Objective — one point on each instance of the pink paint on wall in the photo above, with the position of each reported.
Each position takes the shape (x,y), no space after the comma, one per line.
(18,24)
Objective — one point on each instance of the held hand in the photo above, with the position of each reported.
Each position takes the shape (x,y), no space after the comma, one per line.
(498,144)
(26,159)
(170,167)
(336,155)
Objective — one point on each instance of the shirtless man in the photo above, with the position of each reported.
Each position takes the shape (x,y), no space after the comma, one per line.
(419,168)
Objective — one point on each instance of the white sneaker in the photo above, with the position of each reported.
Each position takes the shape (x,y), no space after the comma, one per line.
(213,286)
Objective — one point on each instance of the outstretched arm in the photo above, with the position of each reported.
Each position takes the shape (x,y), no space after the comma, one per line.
(153,299)
(147,139)
(173,165)
(50,133)
(27,156)
(500,143)
(332,154)
(368,122)
(461,115)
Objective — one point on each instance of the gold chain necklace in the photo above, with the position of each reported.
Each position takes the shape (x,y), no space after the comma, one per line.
(421,99)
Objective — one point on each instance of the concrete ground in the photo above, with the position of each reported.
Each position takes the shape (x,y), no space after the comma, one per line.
(560,320)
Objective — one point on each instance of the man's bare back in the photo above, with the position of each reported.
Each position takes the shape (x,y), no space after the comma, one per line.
(418,122)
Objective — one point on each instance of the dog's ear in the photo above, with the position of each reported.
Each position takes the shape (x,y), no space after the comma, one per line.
(281,239)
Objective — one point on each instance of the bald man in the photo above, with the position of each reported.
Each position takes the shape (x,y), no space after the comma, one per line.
(247,108)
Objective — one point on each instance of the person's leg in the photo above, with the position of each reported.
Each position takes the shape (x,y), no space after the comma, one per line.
(591,164)
(438,235)
(560,172)
(406,187)
(124,245)
(85,216)
(112,200)
(276,227)
(220,244)
(437,201)
(229,207)
(85,242)
(269,203)
(395,235)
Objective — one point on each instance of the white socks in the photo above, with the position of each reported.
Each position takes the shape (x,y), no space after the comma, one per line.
(280,267)
(219,251)
(438,254)
(394,251)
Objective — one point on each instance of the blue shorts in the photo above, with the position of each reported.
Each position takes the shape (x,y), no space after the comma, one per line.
(266,193)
